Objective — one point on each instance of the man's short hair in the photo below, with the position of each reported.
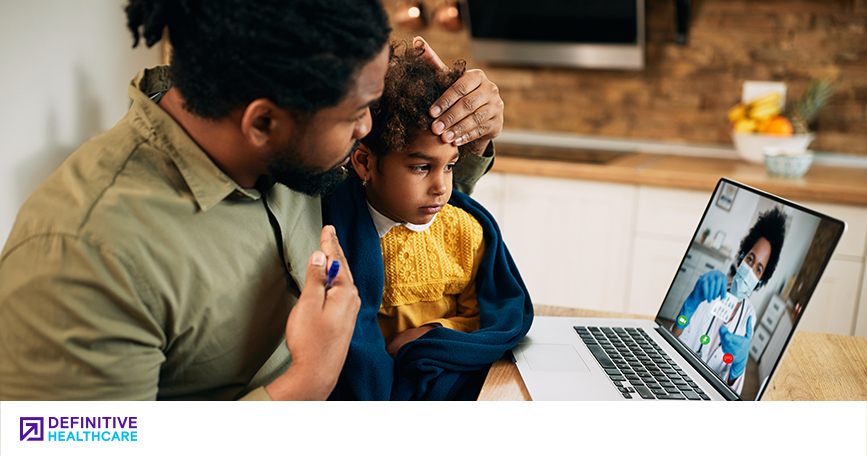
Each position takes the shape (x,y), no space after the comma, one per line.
(301,54)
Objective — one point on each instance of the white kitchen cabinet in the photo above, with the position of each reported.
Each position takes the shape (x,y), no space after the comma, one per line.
(759,342)
(861,317)
(654,265)
(571,239)
(773,312)
(774,348)
(617,247)
(489,192)
(833,306)
(765,330)
(665,222)
(665,213)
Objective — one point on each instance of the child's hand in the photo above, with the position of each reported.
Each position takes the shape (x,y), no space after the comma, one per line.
(470,110)
(393,346)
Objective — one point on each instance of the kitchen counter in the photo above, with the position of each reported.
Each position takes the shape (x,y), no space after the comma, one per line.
(822,183)
(633,211)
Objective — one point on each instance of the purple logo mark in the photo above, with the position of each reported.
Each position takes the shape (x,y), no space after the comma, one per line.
(32,428)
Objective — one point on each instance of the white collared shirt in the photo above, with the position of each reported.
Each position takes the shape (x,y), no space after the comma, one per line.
(384,224)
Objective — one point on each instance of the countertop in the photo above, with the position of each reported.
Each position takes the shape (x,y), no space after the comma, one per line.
(822,183)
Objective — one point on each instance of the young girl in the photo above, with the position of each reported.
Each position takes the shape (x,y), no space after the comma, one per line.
(441,297)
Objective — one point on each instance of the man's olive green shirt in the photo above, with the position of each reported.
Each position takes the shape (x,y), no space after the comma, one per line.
(140,270)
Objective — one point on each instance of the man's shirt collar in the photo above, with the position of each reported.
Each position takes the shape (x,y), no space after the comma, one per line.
(208,183)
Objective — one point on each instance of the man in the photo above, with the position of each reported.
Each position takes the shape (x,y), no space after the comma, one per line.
(162,260)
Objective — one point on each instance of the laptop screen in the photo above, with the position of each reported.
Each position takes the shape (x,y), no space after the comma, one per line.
(744,282)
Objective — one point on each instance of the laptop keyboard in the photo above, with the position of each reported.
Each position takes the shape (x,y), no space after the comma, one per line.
(638,365)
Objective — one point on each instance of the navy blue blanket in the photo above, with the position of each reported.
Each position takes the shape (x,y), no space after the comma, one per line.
(440,364)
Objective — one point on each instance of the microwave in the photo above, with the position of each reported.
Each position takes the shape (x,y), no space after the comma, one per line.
(603,34)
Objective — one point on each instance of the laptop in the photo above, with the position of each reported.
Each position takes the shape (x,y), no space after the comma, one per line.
(724,326)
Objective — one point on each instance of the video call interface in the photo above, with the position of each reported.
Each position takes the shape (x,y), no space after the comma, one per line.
(744,282)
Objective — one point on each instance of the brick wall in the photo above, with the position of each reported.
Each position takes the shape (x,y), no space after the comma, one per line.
(684,91)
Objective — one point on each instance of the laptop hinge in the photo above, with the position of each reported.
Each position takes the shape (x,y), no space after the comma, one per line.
(709,375)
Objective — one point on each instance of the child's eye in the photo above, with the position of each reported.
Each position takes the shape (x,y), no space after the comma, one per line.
(450,166)
(420,168)
(360,116)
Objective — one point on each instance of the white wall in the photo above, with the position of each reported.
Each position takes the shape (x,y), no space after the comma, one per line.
(730,222)
(64,70)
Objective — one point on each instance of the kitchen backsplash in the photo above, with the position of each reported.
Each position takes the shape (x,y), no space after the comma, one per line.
(683,92)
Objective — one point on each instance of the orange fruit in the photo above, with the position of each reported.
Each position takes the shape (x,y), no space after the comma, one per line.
(779,125)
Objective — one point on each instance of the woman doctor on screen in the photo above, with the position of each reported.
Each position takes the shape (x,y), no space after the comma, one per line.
(757,259)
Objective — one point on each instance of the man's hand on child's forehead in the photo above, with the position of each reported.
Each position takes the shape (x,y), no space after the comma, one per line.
(471,109)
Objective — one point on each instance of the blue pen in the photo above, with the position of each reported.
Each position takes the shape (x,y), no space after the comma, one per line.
(332,273)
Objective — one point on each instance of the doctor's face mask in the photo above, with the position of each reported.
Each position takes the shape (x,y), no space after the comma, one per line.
(751,269)
(745,282)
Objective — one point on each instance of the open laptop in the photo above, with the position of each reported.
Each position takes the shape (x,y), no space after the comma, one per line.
(724,348)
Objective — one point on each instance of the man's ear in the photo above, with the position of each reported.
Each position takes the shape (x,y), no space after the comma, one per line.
(263,123)
(363,161)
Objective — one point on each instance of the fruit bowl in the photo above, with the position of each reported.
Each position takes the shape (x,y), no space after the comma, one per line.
(751,146)
(782,164)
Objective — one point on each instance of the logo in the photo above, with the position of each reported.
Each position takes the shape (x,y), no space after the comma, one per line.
(79,429)
(32,428)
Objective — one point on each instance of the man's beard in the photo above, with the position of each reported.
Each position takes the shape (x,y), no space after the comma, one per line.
(287,170)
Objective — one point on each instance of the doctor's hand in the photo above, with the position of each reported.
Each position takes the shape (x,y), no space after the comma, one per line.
(738,346)
(470,111)
(319,327)
(710,286)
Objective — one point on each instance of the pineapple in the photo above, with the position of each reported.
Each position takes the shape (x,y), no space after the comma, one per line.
(811,102)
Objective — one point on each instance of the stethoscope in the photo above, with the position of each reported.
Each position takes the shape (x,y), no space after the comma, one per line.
(740,315)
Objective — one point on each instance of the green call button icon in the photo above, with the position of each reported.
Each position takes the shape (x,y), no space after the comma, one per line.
(705,339)
(682,320)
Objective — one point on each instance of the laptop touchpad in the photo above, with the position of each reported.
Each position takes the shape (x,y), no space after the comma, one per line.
(553,357)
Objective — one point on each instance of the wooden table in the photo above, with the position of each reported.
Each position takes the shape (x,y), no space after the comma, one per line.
(817,367)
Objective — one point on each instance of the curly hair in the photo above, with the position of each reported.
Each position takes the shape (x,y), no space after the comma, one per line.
(770,225)
(411,88)
(302,54)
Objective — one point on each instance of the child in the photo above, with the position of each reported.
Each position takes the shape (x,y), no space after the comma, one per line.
(439,291)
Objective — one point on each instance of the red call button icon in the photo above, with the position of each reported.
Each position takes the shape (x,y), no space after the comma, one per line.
(728,358)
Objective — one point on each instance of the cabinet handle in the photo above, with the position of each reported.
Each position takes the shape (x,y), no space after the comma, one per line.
(682,269)
(708,265)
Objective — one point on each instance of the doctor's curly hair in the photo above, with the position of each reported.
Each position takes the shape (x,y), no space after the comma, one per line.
(411,88)
(770,225)
(302,55)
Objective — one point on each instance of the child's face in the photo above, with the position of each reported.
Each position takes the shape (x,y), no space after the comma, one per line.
(412,186)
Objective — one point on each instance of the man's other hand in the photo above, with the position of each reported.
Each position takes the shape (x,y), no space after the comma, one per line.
(319,327)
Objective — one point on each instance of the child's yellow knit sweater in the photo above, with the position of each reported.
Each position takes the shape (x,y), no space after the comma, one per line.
(430,275)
